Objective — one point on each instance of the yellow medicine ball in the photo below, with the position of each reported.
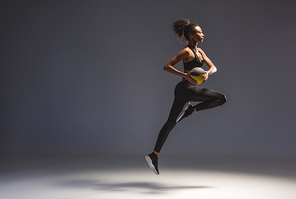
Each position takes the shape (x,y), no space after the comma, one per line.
(198,74)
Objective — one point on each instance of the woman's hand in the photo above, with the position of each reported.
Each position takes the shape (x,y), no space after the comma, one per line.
(192,81)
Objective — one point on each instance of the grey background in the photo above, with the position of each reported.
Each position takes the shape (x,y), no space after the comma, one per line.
(85,77)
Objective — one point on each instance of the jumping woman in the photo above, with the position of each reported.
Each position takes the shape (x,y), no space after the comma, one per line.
(186,90)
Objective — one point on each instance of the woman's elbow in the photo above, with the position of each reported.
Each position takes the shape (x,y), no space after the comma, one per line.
(213,70)
(165,67)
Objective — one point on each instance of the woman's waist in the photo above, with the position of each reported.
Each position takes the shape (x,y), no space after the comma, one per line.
(184,82)
(184,79)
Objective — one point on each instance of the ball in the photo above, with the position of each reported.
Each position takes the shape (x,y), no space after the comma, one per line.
(198,74)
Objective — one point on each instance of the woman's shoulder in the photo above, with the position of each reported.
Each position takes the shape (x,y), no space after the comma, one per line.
(199,49)
(183,54)
(185,51)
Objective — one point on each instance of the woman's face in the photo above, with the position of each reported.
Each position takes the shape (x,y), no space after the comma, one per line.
(198,36)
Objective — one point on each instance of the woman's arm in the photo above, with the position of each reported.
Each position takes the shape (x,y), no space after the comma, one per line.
(180,56)
(209,63)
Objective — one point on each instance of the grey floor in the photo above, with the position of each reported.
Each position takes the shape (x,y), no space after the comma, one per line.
(130,177)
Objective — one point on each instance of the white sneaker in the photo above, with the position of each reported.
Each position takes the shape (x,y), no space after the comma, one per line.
(152,161)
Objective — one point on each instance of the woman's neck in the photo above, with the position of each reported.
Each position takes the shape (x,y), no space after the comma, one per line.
(193,45)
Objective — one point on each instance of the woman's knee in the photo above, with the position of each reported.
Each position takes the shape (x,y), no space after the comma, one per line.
(222,99)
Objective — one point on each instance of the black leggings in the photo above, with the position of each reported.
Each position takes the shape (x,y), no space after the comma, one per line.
(184,92)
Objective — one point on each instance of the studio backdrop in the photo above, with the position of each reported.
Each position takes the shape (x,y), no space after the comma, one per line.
(86,77)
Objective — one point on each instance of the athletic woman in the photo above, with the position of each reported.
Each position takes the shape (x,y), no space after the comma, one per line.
(186,90)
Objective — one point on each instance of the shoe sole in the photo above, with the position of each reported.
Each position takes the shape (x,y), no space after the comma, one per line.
(183,112)
(149,161)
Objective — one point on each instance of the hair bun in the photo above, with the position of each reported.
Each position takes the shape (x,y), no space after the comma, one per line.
(179,27)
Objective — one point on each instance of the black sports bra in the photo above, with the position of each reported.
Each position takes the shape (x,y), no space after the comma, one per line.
(196,62)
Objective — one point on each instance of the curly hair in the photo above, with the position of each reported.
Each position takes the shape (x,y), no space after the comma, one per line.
(183,27)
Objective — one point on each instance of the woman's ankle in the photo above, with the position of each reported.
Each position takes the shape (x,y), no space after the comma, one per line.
(156,153)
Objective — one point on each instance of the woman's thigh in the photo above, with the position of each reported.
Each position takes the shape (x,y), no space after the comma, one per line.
(185,91)
(202,94)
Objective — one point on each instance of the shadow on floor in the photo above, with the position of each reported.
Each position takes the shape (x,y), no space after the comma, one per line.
(139,187)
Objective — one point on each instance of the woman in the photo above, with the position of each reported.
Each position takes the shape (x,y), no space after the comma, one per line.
(186,90)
